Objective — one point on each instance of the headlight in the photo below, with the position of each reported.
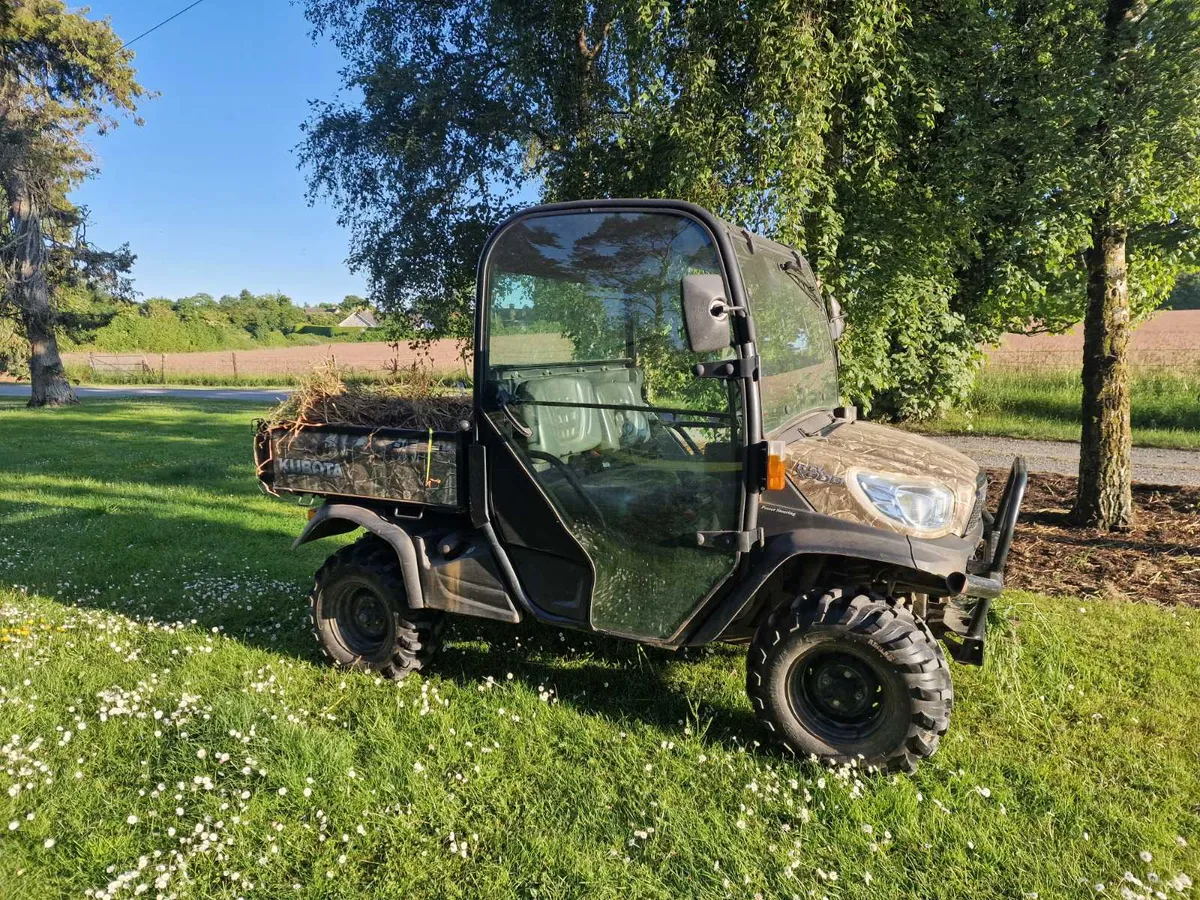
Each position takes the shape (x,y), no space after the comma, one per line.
(922,505)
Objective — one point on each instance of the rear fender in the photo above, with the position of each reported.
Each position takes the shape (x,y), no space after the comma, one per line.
(340,518)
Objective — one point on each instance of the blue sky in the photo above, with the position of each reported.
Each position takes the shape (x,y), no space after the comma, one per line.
(207,192)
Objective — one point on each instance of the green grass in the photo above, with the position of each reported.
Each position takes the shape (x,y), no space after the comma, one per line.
(1165,407)
(84,376)
(159,691)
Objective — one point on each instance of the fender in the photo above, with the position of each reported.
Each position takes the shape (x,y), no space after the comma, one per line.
(815,535)
(339,518)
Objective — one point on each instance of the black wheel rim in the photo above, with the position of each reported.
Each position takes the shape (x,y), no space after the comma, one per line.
(838,693)
(363,617)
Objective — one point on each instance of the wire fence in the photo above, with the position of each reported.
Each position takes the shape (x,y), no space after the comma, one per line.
(1168,340)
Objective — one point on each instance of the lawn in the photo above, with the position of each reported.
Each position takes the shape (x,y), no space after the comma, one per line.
(1044,404)
(83,375)
(167,728)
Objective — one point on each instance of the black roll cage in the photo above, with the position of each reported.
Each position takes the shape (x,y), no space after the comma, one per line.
(744,346)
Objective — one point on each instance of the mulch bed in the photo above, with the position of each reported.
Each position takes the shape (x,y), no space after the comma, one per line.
(1158,560)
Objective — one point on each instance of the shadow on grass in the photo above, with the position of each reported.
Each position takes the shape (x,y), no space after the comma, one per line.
(123,541)
(165,559)
(187,445)
(619,680)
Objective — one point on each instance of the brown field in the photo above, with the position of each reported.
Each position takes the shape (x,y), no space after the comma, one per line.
(1169,339)
(368,357)
(445,356)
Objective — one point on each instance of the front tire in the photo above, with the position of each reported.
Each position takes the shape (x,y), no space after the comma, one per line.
(360,617)
(845,676)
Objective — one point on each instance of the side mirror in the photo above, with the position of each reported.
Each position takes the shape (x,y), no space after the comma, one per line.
(705,312)
(837,319)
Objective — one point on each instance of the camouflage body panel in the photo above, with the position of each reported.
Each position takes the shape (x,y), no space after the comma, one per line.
(820,466)
(388,464)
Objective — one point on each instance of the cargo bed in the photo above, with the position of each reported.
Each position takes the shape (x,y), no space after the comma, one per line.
(399,465)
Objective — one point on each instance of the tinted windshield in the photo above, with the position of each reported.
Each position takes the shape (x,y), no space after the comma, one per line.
(799,369)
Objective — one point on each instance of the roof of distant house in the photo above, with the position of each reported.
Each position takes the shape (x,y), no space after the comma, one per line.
(364,318)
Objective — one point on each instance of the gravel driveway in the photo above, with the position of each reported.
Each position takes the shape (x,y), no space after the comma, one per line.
(245,395)
(1150,465)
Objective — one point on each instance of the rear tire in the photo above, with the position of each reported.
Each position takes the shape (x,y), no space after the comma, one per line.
(845,676)
(360,616)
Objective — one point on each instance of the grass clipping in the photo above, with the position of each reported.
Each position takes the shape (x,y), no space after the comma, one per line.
(328,397)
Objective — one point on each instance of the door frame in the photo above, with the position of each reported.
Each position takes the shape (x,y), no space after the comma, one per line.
(721,234)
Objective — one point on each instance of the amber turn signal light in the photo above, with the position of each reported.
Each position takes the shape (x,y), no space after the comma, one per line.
(311,513)
(776,477)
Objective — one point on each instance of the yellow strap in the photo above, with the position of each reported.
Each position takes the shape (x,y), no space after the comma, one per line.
(428,459)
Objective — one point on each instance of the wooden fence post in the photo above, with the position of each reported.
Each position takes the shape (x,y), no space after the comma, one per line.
(235,375)
(162,367)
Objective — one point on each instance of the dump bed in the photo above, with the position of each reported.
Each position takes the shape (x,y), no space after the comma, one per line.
(388,464)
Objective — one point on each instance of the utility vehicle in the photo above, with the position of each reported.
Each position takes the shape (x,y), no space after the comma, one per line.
(657,451)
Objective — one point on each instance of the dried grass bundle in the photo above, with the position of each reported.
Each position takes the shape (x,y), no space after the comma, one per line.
(420,401)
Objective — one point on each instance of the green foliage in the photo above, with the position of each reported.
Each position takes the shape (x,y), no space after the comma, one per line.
(939,165)
(337,331)
(1186,292)
(14,350)
(1045,405)
(793,124)
(1084,113)
(198,322)
(910,356)
(62,75)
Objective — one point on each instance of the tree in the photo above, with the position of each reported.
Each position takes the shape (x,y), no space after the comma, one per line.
(951,170)
(1077,155)
(782,116)
(1147,110)
(60,73)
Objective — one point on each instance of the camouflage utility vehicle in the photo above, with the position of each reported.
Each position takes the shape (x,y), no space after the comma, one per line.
(657,451)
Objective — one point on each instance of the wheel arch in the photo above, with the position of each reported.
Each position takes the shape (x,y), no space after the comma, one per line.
(795,559)
(340,518)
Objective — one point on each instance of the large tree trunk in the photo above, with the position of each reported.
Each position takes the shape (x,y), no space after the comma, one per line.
(49,381)
(31,293)
(1105,445)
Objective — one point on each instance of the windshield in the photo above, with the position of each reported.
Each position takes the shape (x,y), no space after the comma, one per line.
(798,366)
(603,286)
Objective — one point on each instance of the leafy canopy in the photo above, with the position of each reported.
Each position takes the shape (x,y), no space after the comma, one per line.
(937,162)
(60,74)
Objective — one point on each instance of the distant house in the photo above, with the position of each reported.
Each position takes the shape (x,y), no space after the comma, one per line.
(364,318)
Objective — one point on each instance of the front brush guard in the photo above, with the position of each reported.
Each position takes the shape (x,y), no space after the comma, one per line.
(967,631)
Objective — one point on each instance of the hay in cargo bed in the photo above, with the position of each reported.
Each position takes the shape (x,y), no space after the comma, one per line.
(391,442)
(419,402)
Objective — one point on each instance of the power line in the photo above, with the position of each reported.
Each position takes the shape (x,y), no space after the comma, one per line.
(162,23)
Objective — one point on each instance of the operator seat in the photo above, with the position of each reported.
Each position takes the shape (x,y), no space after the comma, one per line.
(561,431)
(623,477)
(621,387)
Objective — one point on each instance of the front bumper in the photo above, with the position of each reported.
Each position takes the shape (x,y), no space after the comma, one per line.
(984,578)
